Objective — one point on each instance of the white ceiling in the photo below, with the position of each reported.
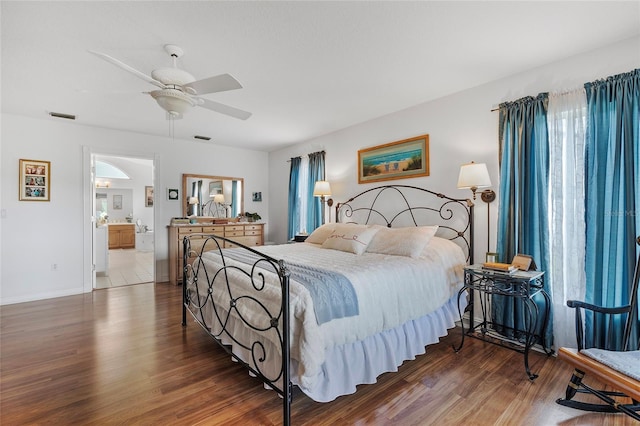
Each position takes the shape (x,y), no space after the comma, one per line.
(308,68)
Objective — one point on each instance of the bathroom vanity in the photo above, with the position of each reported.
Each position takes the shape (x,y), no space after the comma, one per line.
(122,235)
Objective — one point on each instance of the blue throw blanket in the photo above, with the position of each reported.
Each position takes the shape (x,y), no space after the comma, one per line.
(332,293)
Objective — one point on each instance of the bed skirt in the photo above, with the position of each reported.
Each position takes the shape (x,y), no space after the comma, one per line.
(361,362)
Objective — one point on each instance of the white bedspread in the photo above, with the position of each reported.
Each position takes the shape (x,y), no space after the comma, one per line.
(391,290)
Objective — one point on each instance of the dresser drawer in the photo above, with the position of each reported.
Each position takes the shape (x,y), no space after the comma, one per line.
(228,233)
(247,241)
(215,230)
(190,230)
(257,228)
(233,228)
(253,232)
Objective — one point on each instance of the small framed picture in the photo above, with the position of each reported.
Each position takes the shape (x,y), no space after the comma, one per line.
(172,194)
(256,196)
(148,196)
(35,180)
(117,202)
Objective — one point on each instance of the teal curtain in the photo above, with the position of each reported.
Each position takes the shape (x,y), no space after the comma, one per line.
(523,212)
(612,204)
(234,197)
(314,207)
(294,207)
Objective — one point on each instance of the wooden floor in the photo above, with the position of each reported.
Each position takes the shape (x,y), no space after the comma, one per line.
(120,356)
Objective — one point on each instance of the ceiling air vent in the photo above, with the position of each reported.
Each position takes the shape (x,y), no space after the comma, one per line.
(61,115)
(203,138)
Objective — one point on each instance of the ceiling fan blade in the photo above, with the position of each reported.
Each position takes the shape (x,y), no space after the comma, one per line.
(128,69)
(223,109)
(219,83)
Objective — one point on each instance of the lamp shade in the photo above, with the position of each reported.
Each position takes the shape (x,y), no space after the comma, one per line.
(474,175)
(193,200)
(321,188)
(218,198)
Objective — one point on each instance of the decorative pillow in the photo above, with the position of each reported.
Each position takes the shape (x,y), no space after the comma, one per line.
(409,241)
(320,234)
(350,238)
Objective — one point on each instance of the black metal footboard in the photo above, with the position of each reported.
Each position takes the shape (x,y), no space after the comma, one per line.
(219,284)
(221,293)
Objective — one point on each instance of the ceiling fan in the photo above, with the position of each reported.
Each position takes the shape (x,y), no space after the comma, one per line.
(178,90)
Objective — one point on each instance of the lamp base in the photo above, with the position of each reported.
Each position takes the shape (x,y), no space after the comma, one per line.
(492,257)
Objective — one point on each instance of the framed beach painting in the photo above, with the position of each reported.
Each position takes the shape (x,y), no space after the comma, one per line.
(35,180)
(403,159)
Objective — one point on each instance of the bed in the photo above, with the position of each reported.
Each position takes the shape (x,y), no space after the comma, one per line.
(358,298)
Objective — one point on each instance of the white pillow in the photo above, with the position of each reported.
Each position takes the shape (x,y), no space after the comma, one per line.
(319,235)
(409,241)
(350,238)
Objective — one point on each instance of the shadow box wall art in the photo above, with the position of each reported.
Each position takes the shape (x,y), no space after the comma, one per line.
(35,180)
(403,159)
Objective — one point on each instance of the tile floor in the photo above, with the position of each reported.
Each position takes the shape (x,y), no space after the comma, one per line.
(126,267)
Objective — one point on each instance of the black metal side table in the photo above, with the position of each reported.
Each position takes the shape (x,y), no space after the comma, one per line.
(523,285)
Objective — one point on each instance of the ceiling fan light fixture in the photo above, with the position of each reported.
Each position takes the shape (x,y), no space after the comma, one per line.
(173,101)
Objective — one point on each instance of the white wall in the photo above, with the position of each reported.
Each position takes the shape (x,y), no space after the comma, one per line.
(36,235)
(461,128)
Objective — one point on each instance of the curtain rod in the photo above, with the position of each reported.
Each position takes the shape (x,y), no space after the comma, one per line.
(301,156)
(306,155)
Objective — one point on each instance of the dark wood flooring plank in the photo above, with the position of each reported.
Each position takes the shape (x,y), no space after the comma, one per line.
(120,356)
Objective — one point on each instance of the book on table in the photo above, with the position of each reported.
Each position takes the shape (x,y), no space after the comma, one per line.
(499,267)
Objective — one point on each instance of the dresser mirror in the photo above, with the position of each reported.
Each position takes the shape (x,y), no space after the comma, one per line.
(212,196)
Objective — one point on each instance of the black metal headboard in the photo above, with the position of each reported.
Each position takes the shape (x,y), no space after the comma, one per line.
(404,205)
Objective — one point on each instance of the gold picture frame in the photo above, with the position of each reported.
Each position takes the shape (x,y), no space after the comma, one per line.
(34,180)
(403,159)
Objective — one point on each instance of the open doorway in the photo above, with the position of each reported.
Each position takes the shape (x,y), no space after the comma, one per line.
(124,236)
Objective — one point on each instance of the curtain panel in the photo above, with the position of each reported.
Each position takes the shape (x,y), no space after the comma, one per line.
(612,188)
(294,208)
(566,120)
(234,197)
(314,207)
(523,212)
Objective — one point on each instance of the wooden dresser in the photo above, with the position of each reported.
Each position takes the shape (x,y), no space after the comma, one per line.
(247,233)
